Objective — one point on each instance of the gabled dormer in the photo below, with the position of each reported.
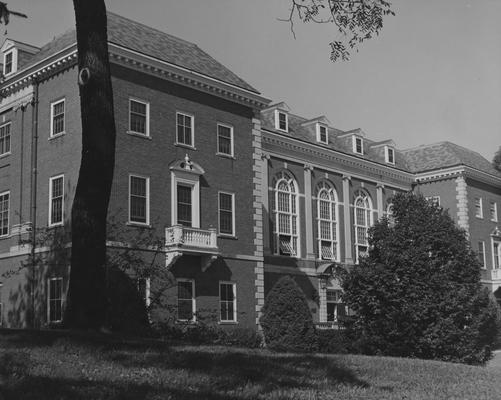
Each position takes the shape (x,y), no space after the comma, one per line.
(354,139)
(321,128)
(385,149)
(278,115)
(15,54)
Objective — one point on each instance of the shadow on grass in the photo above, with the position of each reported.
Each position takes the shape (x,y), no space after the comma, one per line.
(155,370)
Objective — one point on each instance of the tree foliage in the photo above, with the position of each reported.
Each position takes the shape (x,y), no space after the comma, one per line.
(286,319)
(355,20)
(418,293)
(496,162)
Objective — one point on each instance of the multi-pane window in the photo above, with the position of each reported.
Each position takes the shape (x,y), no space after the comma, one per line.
(493,210)
(139,199)
(138,117)
(8,62)
(55,300)
(285,210)
(184,129)
(228,301)
(186,300)
(57,118)
(226,213)
(322,134)
(5,139)
(281,121)
(4,213)
(481,252)
(56,200)
(435,200)
(363,220)
(496,253)
(390,155)
(335,306)
(184,205)
(327,227)
(225,139)
(478,207)
(358,145)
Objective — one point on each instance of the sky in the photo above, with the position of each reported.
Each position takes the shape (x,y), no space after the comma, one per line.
(432,75)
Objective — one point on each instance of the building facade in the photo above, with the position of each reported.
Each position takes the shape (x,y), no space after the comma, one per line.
(237,191)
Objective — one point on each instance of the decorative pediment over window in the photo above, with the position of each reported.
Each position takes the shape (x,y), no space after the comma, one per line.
(496,232)
(187,166)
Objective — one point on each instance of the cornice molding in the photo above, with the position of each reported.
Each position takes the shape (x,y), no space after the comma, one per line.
(454,172)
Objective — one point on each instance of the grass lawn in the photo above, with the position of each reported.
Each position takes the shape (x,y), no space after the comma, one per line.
(56,366)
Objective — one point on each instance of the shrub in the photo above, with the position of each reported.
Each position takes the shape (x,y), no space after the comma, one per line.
(286,319)
(418,293)
(333,341)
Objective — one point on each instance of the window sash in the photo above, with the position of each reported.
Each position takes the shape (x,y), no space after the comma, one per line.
(5,139)
(494,211)
(138,117)
(226,215)
(496,250)
(225,140)
(58,110)
(282,121)
(4,213)
(478,207)
(56,200)
(227,301)
(184,129)
(184,205)
(138,199)
(481,253)
(185,300)
(55,299)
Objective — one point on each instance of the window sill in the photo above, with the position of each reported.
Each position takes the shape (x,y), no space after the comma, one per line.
(224,155)
(227,236)
(494,220)
(138,225)
(54,226)
(477,217)
(57,135)
(4,155)
(186,146)
(227,323)
(139,134)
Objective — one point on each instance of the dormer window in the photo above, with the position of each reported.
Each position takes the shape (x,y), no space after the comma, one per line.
(8,60)
(281,122)
(322,135)
(358,145)
(389,154)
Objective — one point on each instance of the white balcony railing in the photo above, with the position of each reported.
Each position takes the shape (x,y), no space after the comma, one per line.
(181,236)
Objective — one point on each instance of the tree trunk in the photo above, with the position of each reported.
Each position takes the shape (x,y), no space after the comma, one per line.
(87,300)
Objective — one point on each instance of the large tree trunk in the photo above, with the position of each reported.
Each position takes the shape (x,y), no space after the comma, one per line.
(87,300)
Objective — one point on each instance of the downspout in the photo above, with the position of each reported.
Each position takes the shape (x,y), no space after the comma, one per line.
(33,200)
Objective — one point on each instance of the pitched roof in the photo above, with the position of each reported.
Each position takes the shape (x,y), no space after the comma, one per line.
(154,43)
(445,154)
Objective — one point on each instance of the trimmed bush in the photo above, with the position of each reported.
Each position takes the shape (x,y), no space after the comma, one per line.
(286,318)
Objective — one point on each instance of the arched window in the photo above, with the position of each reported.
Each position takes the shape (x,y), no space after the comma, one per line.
(363,220)
(285,213)
(327,226)
(389,214)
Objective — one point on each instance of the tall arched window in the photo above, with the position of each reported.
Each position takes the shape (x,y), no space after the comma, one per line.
(327,226)
(363,220)
(285,210)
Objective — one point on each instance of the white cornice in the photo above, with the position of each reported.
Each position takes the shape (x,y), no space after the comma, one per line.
(451,172)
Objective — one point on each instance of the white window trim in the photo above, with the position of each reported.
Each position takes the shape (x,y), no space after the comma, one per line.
(147,127)
(481,216)
(354,142)
(51,180)
(496,240)
(48,300)
(232,234)
(14,61)
(290,180)
(10,139)
(370,222)
(52,105)
(1,305)
(234,287)
(336,243)
(433,200)
(8,215)
(387,150)
(319,137)
(192,145)
(193,300)
(232,147)
(277,121)
(187,179)
(495,218)
(129,221)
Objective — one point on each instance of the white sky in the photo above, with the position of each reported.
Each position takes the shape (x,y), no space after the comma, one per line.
(433,74)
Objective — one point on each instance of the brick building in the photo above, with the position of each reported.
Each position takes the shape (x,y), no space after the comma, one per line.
(240,192)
